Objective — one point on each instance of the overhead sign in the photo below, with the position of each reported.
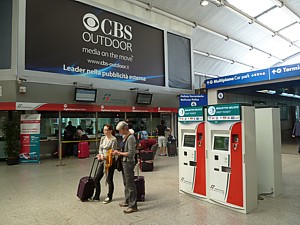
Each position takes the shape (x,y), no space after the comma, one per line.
(192,100)
(284,71)
(91,42)
(88,108)
(255,76)
(223,113)
(190,114)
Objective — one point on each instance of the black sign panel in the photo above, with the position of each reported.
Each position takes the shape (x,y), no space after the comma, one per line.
(76,39)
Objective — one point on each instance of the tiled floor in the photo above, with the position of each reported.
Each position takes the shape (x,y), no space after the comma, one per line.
(46,194)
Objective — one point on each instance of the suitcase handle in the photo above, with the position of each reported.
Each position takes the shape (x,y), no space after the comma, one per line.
(137,166)
(90,176)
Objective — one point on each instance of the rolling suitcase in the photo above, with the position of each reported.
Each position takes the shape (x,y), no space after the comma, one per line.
(147,165)
(146,160)
(172,148)
(83,150)
(140,186)
(86,185)
(146,155)
(154,149)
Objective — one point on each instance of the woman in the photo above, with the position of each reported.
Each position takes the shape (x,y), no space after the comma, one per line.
(107,142)
(128,153)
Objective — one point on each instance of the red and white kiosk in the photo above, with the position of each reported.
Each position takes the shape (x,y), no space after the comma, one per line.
(231,152)
(192,151)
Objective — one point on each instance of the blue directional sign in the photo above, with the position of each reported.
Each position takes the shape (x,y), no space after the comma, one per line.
(255,76)
(192,100)
(284,71)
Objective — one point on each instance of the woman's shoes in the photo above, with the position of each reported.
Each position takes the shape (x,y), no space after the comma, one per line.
(95,199)
(106,200)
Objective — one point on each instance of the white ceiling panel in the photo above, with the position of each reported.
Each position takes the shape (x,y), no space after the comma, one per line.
(276,19)
(278,47)
(253,7)
(217,22)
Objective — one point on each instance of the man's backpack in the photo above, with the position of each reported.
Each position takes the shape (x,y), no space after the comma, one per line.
(143,135)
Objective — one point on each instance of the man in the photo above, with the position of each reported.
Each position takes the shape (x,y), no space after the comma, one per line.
(160,130)
(128,163)
(296,133)
(69,135)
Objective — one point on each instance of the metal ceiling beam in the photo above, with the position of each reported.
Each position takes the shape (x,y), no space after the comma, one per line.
(227,38)
(205,74)
(156,10)
(254,20)
(206,54)
(150,7)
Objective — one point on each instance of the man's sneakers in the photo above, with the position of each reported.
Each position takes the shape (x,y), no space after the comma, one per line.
(130,210)
(106,200)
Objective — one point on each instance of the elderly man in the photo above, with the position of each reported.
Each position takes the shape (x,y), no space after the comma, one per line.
(128,150)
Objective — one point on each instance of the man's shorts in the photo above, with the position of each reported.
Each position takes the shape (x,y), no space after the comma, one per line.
(161,141)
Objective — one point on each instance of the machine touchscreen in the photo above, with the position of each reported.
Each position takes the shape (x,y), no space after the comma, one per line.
(221,143)
(189,140)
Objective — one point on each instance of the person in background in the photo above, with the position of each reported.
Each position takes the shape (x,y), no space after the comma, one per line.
(142,134)
(160,130)
(130,126)
(82,136)
(128,162)
(296,133)
(69,135)
(107,142)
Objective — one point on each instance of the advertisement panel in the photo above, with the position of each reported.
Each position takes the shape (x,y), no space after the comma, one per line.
(30,138)
(90,42)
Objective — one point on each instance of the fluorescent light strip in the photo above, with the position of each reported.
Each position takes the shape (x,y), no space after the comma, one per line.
(289,95)
(271,92)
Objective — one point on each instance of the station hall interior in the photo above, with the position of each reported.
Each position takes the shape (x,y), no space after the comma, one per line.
(97,62)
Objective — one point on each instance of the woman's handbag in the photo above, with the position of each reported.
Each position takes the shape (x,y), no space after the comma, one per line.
(119,165)
(109,160)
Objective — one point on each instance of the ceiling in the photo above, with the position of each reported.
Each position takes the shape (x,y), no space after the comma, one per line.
(230,38)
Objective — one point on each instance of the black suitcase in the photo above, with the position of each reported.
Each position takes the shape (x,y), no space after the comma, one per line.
(147,165)
(146,155)
(140,185)
(154,149)
(86,185)
(140,188)
(172,148)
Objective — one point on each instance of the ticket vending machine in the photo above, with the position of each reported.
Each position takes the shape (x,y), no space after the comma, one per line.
(192,151)
(231,149)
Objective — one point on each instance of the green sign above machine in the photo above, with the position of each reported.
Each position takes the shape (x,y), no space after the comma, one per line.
(190,114)
(223,113)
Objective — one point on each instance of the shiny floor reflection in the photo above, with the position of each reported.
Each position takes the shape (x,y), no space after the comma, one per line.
(46,194)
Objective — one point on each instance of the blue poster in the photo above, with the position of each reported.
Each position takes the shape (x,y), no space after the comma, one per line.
(30,138)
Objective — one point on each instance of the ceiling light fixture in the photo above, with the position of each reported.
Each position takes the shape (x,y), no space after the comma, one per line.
(203,2)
